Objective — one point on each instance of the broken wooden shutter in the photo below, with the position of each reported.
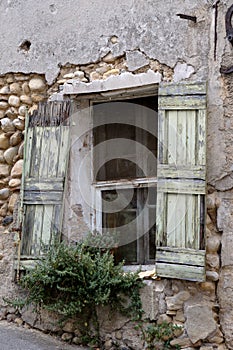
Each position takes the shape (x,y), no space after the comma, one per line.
(46,156)
(181,182)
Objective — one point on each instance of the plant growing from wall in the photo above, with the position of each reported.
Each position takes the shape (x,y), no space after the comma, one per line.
(159,336)
(74,279)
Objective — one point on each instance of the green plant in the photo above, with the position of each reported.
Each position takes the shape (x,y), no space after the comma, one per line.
(74,279)
(161,335)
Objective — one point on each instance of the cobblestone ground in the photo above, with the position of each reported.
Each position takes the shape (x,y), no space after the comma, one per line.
(19,338)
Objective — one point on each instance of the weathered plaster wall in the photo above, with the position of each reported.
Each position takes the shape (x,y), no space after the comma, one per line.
(79,32)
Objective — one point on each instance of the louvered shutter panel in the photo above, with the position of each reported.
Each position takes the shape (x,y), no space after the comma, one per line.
(46,155)
(181,182)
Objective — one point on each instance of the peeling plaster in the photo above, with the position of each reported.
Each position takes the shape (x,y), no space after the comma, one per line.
(80,33)
(182,71)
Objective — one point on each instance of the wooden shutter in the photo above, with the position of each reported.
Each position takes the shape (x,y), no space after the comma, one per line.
(181,182)
(46,155)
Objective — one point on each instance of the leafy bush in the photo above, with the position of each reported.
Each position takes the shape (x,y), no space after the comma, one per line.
(71,279)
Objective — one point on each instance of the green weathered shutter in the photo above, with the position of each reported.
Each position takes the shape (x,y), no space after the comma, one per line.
(46,155)
(181,182)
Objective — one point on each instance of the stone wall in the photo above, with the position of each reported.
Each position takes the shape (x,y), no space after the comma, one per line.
(194,306)
(18,92)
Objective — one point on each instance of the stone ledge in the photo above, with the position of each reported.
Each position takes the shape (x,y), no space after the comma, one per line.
(122,81)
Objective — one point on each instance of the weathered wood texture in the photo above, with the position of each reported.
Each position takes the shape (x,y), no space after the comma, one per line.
(47,140)
(181,181)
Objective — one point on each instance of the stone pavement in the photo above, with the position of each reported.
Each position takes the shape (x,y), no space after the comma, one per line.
(19,338)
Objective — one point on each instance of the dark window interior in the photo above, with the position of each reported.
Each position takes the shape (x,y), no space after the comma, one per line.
(135,112)
(134,120)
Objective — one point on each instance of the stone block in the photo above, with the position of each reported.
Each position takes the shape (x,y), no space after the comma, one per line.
(150,303)
(176,302)
(212,261)
(132,337)
(14,183)
(19,124)
(14,101)
(135,60)
(4,90)
(164,318)
(12,202)
(17,169)
(37,84)
(66,336)
(183,342)
(7,125)
(213,244)
(200,323)
(212,276)
(224,216)
(179,316)
(3,105)
(160,286)
(15,88)
(25,88)
(110,73)
(108,322)
(4,170)
(227,251)
(69,327)
(46,321)
(4,193)
(16,138)
(10,154)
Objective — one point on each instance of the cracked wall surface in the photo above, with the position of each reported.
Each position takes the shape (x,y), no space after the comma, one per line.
(79,33)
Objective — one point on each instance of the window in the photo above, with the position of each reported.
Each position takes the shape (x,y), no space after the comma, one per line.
(148,195)
(124,176)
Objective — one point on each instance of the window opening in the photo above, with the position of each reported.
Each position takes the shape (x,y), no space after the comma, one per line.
(124,175)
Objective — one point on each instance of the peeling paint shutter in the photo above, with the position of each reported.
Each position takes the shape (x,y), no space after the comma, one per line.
(181,182)
(46,155)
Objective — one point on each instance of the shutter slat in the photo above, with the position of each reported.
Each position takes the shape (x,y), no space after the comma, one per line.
(28,233)
(182,103)
(36,152)
(191,238)
(190,172)
(52,166)
(47,223)
(178,255)
(201,134)
(45,149)
(172,142)
(191,139)
(42,197)
(162,137)
(28,152)
(183,272)
(36,230)
(181,181)
(191,186)
(181,138)
(51,184)
(182,89)
(63,151)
